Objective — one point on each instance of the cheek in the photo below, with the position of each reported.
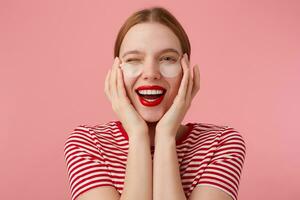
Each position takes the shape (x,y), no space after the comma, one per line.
(128,84)
(177,81)
(131,70)
(174,86)
(170,70)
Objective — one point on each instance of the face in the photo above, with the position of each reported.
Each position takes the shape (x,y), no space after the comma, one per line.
(151,64)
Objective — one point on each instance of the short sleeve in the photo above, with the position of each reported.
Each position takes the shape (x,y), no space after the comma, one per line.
(225,168)
(85,165)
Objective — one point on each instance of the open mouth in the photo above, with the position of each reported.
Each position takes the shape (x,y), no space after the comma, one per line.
(151,97)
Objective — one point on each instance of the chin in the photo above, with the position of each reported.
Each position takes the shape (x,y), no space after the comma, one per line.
(151,117)
(152,120)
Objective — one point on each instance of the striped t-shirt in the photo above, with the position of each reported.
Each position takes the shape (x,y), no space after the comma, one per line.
(208,154)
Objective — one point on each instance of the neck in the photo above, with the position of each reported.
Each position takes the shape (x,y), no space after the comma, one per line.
(152,125)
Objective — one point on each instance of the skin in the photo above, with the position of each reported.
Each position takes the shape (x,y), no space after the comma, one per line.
(161,123)
(150,39)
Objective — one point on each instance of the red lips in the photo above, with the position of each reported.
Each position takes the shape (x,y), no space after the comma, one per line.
(150,87)
(151,103)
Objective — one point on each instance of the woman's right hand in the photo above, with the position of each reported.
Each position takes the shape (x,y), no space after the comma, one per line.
(115,91)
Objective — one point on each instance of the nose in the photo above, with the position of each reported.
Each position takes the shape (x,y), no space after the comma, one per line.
(151,71)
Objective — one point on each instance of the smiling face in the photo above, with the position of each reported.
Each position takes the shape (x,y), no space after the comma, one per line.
(151,64)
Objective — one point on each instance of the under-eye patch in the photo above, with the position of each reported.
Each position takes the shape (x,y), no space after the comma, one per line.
(168,70)
(131,70)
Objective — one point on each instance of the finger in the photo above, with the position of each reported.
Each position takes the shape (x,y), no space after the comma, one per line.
(196,87)
(184,81)
(113,82)
(186,62)
(116,67)
(121,87)
(190,85)
(189,89)
(106,86)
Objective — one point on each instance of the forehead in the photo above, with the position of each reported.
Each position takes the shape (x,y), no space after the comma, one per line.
(149,38)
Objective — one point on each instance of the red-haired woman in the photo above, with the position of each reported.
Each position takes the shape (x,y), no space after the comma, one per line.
(147,153)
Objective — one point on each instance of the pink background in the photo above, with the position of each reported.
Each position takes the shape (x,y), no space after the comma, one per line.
(54,56)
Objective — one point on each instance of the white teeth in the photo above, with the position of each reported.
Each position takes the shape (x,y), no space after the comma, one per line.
(150,92)
(150,100)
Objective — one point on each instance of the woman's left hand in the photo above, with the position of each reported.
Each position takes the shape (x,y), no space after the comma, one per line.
(169,124)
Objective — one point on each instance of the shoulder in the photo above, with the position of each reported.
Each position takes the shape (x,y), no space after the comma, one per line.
(203,127)
(222,131)
(220,135)
(232,136)
(89,130)
(90,133)
(225,147)
(85,159)
(230,146)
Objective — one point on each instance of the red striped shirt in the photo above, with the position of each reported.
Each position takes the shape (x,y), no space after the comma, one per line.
(208,154)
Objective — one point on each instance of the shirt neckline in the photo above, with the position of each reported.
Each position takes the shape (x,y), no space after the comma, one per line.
(178,142)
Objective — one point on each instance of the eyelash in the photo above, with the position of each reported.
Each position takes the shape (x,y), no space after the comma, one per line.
(172,59)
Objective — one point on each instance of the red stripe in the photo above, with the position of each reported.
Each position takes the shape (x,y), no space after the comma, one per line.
(210,173)
(100,145)
(88,181)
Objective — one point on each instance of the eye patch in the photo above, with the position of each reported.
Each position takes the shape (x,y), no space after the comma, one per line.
(168,70)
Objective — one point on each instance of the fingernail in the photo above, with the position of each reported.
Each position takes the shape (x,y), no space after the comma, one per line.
(186,59)
(184,55)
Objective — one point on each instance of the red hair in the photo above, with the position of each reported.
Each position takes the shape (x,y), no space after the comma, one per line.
(154,14)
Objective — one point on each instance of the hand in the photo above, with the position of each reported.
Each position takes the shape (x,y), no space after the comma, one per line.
(115,91)
(169,124)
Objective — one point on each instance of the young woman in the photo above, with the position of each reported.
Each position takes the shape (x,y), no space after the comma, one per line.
(148,154)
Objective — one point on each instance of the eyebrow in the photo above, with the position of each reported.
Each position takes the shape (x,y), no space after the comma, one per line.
(162,51)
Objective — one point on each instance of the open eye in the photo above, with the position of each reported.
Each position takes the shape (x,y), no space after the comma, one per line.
(169,58)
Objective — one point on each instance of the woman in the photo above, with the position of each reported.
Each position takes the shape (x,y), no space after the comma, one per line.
(148,154)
